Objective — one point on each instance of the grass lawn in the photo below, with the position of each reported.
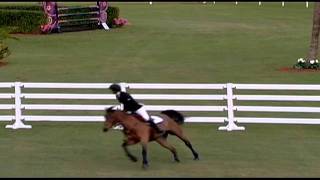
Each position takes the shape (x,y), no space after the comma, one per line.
(168,43)
(83,150)
(173,42)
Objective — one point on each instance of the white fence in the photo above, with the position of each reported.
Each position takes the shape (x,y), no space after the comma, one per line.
(228,96)
(236,3)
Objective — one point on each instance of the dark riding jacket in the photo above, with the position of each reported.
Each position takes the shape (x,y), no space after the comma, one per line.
(129,104)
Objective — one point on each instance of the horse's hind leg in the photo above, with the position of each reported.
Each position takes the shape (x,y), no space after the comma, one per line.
(180,135)
(145,163)
(164,143)
(126,150)
(195,154)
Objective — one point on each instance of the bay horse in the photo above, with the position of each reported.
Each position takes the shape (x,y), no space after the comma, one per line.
(137,130)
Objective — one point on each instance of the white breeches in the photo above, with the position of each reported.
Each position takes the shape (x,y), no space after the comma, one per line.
(143,112)
(118,107)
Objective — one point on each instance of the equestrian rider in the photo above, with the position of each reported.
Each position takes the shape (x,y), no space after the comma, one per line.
(131,105)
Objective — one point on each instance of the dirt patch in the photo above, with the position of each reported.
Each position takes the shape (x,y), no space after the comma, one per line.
(2,63)
(293,70)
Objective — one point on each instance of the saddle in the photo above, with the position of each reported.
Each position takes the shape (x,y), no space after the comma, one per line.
(156,119)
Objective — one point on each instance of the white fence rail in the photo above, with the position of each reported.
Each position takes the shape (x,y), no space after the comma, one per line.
(236,3)
(228,97)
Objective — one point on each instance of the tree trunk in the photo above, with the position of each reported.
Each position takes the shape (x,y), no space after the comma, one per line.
(313,50)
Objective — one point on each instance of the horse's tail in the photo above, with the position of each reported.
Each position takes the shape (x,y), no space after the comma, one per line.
(175,115)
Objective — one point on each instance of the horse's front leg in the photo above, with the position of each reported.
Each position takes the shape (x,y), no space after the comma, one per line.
(125,145)
(145,163)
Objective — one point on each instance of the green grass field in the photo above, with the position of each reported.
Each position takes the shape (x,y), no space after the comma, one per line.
(168,43)
(83,150)
(172,42)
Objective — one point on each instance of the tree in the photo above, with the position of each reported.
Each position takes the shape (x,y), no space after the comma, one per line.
(311,61)
(314,43)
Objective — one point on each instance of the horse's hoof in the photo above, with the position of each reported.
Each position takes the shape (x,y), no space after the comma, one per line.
(145,166)
(177,160)
(196,156)
(133,159)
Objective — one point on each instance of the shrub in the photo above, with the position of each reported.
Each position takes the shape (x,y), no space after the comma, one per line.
(22,21)
(304,64)
(21,7)
(119,22)
(112,13)
(4,51)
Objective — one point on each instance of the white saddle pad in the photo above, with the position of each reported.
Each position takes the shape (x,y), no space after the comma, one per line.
(157,119)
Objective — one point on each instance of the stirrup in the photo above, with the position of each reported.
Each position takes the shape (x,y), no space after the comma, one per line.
(158,129)
(155,126)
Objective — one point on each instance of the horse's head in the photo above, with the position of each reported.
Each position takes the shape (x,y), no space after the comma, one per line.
(112,117)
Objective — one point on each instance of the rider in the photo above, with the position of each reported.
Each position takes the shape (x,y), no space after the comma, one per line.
(131,105)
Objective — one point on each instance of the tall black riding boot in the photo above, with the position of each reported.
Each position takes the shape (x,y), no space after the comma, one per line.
(154,126)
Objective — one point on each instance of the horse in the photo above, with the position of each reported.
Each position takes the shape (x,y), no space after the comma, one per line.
(137,130)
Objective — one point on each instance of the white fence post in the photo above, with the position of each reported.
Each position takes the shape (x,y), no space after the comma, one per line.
(18,117)
(307,4)
(282,4)
(231,125)
(259,3)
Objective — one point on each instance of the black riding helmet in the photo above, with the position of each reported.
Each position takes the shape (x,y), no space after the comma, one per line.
(115,88)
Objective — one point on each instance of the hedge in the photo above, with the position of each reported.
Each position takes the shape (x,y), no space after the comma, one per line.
(27,19)
(21,7)
(112,12)
(22,21)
